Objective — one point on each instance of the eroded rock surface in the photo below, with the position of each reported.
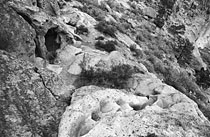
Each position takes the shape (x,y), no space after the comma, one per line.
(103,112)
(126,100)
(28,107)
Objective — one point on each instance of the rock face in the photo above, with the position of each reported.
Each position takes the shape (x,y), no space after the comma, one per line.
(28,107)
(110,62)
(16,35)
(101,112)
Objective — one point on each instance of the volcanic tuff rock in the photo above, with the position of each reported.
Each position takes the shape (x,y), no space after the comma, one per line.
(111,62)
(103,112)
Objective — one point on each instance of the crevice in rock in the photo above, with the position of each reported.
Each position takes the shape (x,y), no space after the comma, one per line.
(95,116)
(25,17)
(136,107)
(36,71)
(38,50)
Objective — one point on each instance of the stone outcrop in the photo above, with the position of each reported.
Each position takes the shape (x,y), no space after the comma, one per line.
(74,88)
(28,105)
(103,112)
(16,35)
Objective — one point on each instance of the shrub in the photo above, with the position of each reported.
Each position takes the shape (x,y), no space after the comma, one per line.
(205,55)
(137,52)
(93,11)
(115,78)
(168,4)
(82,30)
(203,78)
(183,51)
(140,37)
(108,46)
(106,28)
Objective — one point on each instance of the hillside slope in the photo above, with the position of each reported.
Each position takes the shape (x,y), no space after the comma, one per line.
(123,67)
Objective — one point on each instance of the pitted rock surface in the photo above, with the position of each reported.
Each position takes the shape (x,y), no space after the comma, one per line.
(32,99)
(109,112)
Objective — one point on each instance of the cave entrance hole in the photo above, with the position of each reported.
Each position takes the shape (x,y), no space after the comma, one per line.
(52,43)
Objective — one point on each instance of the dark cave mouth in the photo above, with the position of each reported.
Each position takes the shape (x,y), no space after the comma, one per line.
(52,43)
(52,40)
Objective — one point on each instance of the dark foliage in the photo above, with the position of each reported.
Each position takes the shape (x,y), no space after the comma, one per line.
(106,28)
(183,51)
(180,29)
(150,135)
(116,78)
(203,78)
(168,3)
(159,22)
(82,30)
(94,11)
(108,46)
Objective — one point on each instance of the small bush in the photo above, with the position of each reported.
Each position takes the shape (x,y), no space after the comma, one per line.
(203,78)
(106,28)
(82,30)
(108,46)
(137,52)
(183,51)
(140,37)
(116,78)
(93,11)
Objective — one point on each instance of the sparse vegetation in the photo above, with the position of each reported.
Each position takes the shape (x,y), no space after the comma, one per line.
(108,46)
(149,135)
(203,78)
(115,78)
(184,51)
(94,11)
(82,30)
(107,28)
(137,52)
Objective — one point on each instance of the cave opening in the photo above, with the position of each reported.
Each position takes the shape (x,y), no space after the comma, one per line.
(52,43)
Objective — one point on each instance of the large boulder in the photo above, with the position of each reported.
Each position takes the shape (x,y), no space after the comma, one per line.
(16,35)
(101,112)
(29,105)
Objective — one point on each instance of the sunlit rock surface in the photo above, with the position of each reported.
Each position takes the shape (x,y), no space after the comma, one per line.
(102,112)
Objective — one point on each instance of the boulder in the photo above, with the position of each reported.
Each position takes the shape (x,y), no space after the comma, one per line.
(148,11)
(28,105)
(101,112)
(16,35)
